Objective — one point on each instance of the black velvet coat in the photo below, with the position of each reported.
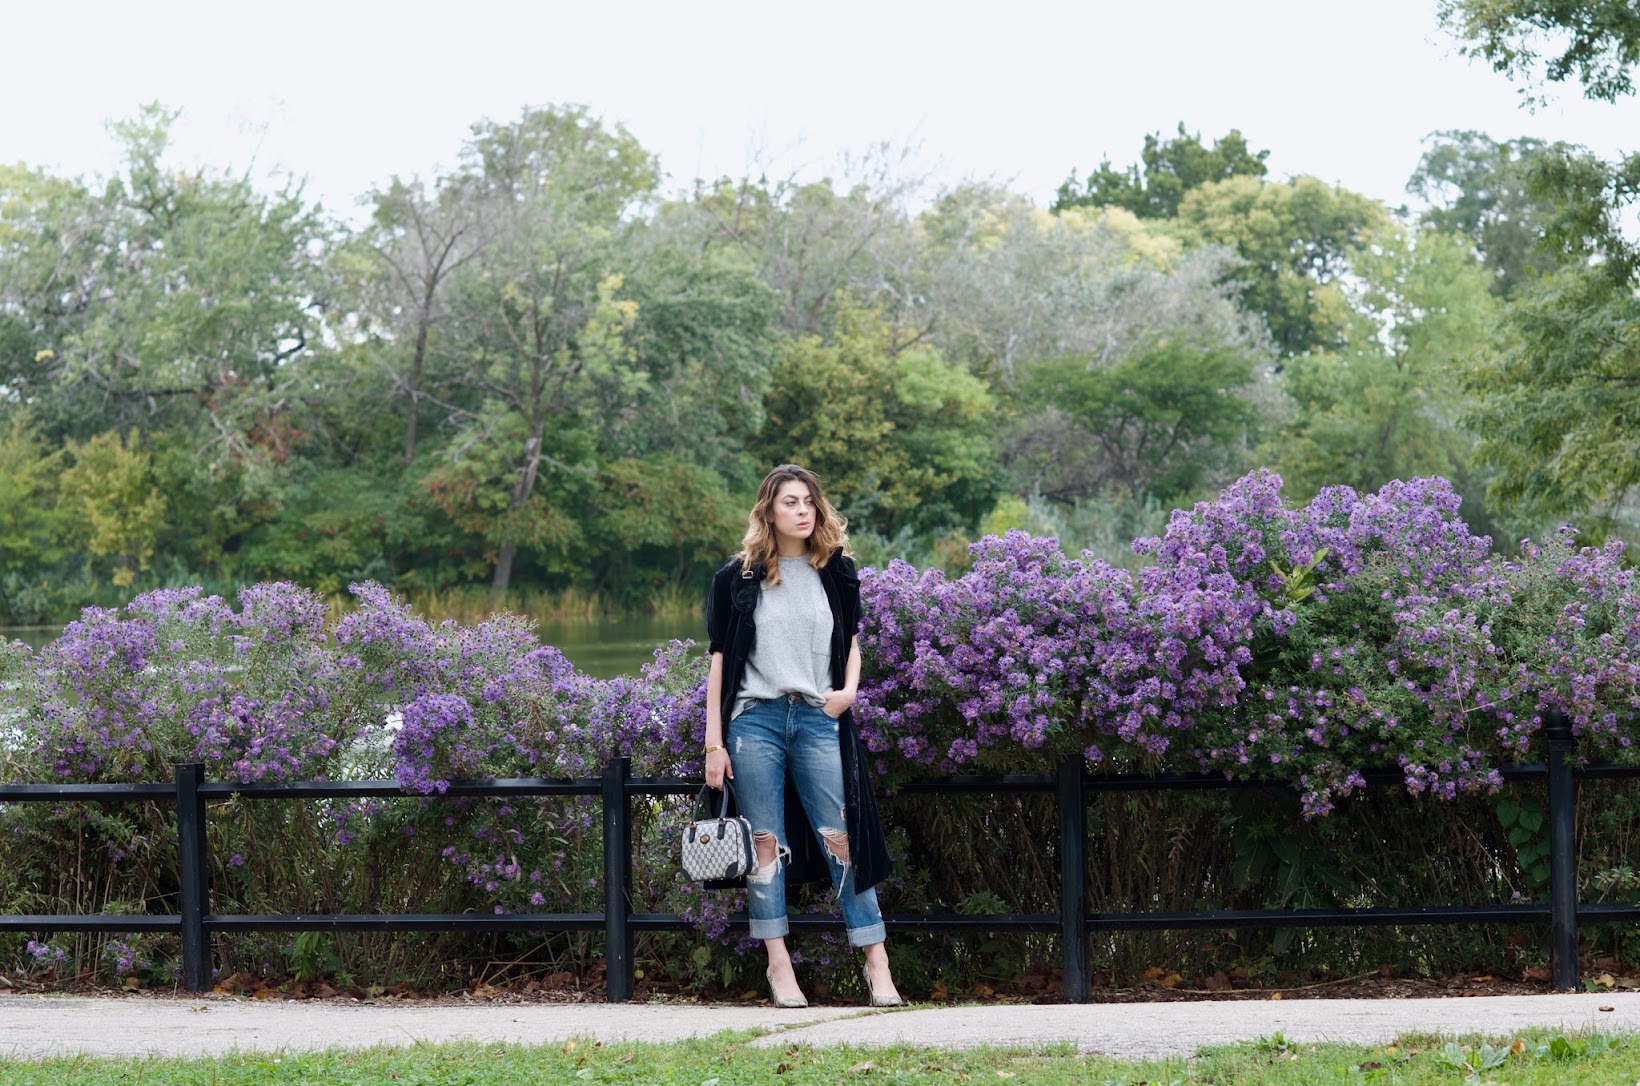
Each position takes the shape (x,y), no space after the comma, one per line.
(731,628)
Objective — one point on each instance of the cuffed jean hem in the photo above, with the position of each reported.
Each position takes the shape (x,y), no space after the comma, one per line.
(777,928)
(870,935)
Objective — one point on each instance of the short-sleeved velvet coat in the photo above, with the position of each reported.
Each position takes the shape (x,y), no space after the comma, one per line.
(731,628)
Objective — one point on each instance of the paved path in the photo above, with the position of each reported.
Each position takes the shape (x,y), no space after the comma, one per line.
(34,1026)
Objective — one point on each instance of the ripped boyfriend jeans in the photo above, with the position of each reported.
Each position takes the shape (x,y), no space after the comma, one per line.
(766,741)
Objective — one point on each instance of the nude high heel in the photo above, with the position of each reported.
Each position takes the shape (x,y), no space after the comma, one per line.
(780,1001)
(879,1000)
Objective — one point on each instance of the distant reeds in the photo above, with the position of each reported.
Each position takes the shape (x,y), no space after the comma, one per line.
(470,604)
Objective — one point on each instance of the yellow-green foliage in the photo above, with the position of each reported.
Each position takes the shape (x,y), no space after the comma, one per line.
(109,493)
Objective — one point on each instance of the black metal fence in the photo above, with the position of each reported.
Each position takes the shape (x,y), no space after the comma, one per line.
(1073,786)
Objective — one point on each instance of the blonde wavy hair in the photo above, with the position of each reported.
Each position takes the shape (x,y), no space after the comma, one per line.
(759,545)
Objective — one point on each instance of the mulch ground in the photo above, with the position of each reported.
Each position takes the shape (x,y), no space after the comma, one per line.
(1155,986)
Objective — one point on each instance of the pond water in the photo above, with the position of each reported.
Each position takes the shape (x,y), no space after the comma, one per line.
(603,648)
(608,647)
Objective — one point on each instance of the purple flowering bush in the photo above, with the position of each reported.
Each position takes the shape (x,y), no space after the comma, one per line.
(178,676)
(1299,644)
(270,691)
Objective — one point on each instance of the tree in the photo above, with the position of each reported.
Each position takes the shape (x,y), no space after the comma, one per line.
(47,228)
(1558,409)
(539,318)
(704,340)
(811,241)
(1387,406)
(1000,283)
(658,517)
(418,239)
(902,440)
(490,481)
(1595,41)
(200,301)
(1296,241)
(31,532)
(1482,189)
(1099,307)
(110,497)
(1158,423)
(338,524)
(1153,187)
(1557,406)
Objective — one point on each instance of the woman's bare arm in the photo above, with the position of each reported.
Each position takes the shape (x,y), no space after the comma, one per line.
(717,756)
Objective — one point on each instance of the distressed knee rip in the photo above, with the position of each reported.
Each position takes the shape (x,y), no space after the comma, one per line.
(837,841)
(769,853)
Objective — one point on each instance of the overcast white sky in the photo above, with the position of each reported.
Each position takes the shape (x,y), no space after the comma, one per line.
(347,94)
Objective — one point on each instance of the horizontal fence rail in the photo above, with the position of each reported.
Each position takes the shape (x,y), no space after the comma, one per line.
(615,787)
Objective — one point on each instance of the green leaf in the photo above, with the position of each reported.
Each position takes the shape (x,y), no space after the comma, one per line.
(1489,1057)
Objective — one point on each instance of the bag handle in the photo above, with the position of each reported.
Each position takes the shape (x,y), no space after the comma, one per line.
(703,802)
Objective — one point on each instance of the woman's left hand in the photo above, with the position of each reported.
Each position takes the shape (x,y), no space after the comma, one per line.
(837,703)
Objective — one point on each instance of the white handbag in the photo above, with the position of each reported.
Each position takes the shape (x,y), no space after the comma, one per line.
(717,848)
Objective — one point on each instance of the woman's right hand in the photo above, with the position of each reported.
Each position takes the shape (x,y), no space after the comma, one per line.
(718,768)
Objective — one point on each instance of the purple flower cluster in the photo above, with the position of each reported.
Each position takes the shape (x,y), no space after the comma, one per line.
(180,676)
(268,690)
(45,956)
(1009,656)
(1304,644)
(264,692)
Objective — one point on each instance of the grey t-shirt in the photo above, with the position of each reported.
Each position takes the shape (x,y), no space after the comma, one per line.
(792,654)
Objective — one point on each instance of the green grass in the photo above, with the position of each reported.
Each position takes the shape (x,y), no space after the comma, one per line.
(1540,1057)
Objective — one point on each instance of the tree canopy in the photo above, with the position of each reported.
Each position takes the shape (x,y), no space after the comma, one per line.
(1595,42)
(539,368)
(1153,187)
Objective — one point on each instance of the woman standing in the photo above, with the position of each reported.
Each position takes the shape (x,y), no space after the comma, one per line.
(782,618)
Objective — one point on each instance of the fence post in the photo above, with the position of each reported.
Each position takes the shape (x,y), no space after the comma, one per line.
(1073,878)
(1562,853)
(617,882)
(193,877)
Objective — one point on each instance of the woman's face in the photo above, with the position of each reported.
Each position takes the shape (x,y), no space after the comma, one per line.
(794,515)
